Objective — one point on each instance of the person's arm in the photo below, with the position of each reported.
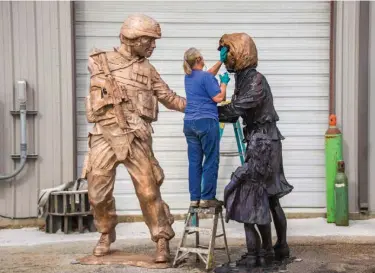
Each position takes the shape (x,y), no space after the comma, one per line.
(217,93)
(165,95)
(223,56)
(213,70)
(224,79)
(222,95)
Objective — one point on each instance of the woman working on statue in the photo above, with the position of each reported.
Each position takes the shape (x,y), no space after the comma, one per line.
(201,125)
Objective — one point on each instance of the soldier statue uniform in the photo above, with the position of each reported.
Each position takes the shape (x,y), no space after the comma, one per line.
(123,102)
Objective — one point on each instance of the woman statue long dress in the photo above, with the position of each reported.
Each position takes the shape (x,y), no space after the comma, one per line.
(253,101)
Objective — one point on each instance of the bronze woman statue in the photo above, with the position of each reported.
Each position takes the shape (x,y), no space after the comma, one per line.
(253,101)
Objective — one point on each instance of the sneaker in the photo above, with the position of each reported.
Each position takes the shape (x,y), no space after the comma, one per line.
(211,203)
(194,204)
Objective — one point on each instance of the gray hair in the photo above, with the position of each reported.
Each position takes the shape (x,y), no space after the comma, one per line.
(190,57)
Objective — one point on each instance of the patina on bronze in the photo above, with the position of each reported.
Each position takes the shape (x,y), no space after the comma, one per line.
(253,101)
(123,102)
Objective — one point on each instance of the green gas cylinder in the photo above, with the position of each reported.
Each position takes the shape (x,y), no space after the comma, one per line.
(341,196)
(333,153)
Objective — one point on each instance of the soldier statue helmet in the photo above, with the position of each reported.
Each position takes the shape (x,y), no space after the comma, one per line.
(140,26)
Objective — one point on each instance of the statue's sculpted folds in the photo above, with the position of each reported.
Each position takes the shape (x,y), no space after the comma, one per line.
(122,103)
(253,102)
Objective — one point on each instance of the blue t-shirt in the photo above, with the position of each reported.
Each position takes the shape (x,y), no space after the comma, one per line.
(200,88)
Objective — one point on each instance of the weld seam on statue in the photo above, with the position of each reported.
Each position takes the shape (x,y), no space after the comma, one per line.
(253,102)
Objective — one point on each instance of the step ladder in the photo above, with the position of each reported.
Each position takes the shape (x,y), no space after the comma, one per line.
(203,253)
(241,149)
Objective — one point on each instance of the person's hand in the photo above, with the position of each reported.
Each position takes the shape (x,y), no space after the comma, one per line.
(223,54)
(224,78)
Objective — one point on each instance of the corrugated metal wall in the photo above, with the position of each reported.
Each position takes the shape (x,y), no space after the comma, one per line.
(293,45)
(36,46)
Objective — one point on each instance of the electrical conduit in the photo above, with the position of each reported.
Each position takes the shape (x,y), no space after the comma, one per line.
(23,146)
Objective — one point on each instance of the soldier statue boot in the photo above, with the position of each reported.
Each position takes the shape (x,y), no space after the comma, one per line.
(162,251)
(103,246)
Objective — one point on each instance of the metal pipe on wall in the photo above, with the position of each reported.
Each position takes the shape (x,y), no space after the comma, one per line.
(22,99)
(332,109)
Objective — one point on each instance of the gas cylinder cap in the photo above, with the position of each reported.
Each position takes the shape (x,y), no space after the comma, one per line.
(332,120)
(341,166)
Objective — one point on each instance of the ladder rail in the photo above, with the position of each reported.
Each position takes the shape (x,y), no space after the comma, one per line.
(225,237)
(182,241)
(211,245)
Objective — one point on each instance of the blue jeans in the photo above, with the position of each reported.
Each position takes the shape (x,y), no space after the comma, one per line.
(203,139)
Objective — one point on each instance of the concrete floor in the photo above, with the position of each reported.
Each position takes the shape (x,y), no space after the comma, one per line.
(323,248)
(58,257)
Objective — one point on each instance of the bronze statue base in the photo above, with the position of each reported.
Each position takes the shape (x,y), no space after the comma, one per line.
(117,257)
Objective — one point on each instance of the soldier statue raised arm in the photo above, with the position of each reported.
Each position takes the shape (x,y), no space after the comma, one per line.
(123,102)
(253,101)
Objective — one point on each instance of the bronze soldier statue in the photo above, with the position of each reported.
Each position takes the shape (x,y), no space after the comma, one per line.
(123,102)
(253,101)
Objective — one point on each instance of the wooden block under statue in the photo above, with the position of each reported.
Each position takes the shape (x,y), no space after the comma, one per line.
(117,257)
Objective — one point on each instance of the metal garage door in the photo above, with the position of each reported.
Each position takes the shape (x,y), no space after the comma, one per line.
(293,45)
